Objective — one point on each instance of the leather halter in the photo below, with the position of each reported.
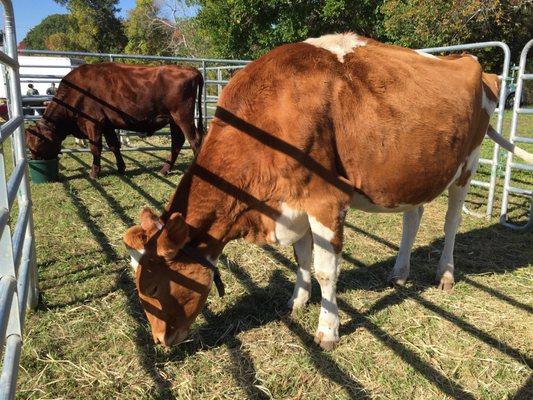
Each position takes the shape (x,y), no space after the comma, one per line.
(200,259)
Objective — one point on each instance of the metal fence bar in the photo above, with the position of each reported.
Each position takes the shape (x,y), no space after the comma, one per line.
(113,56)
(18,249)
(500,110)
(507,187)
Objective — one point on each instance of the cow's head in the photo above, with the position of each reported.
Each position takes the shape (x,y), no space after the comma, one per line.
(171,286)
(42,141)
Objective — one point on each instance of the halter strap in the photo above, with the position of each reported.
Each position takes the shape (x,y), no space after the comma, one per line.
(199,258)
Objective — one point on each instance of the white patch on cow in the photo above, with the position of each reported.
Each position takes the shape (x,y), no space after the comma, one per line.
(473,56)
(136,255)
(411,223)
(456,199)
(291,225)
(486,103)
(470,164)
(339,44)
(427,55)
(327,270)
(303,250)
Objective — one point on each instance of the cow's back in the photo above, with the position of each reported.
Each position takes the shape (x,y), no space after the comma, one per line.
(128,96)
(394,123)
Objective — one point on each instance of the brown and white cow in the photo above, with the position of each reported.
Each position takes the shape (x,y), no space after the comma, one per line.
(95,99)
(300,135)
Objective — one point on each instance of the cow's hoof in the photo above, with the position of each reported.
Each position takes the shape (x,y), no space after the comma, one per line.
(293,305)
(445,284)
(327,343)
(163,172)
(396,281)
(93,175)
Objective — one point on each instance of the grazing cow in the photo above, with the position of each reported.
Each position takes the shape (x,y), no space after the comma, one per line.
(300,135)
(94,100)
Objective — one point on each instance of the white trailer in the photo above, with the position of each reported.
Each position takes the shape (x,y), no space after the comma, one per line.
(41,72)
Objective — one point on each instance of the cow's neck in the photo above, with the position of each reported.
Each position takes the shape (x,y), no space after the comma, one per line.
(56,117)
(205,209)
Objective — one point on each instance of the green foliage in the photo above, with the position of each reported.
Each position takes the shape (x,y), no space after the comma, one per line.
(420,23)
(54,24)
(95,27)
(249,28)
(92,25)
(146,33)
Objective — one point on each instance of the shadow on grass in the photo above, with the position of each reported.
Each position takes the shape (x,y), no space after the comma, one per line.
(124,282)
(261,305)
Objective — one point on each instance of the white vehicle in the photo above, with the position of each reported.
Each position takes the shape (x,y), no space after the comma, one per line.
(41,72)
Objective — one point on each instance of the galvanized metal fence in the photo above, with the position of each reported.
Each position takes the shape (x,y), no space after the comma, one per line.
(518,111)
(216,73)
(491,185)
(18,275)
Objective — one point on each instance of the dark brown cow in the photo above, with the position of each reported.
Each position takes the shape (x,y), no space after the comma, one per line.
(299,136)
(95,99)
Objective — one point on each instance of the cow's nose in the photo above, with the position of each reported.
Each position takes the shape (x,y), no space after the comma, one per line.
(175,337)
(159,338)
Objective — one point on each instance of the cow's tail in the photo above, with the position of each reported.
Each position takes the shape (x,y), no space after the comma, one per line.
(200,124)
(507,145)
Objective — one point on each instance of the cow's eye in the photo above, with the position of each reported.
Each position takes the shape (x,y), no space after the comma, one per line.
(151,291)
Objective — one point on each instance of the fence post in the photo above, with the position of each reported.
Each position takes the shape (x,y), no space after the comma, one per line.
(204,73)
(18,274)
(513,138)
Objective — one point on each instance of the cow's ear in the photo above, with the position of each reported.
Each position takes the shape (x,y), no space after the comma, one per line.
(174,235)
(149,220)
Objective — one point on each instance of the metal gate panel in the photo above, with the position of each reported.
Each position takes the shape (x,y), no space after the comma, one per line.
(491,186)
(18,275)
(514,138)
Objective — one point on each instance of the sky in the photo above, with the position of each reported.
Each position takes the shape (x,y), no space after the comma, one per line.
(29,13)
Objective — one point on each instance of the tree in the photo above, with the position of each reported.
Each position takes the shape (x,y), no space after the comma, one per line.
(53,24)
(145,30)
(93,26)
(165,27)
(249,28)
(419,23)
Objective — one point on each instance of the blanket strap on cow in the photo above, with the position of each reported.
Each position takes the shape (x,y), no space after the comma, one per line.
(196,256)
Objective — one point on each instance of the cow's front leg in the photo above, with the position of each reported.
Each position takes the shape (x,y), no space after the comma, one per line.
(411,223)
(327,245)
(303,252)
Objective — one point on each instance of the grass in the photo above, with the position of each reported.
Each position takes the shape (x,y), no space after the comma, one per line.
(89,338)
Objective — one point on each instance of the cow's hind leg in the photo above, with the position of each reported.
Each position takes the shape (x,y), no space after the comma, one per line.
(456,199)
(177,139)
(327,245)
(411,223)
(303,252)
(94,134)
(113,141)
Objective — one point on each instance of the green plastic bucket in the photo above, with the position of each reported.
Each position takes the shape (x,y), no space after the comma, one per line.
(43,171)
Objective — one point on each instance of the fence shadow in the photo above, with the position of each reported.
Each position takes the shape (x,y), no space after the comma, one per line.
(262,305)
(124,282)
